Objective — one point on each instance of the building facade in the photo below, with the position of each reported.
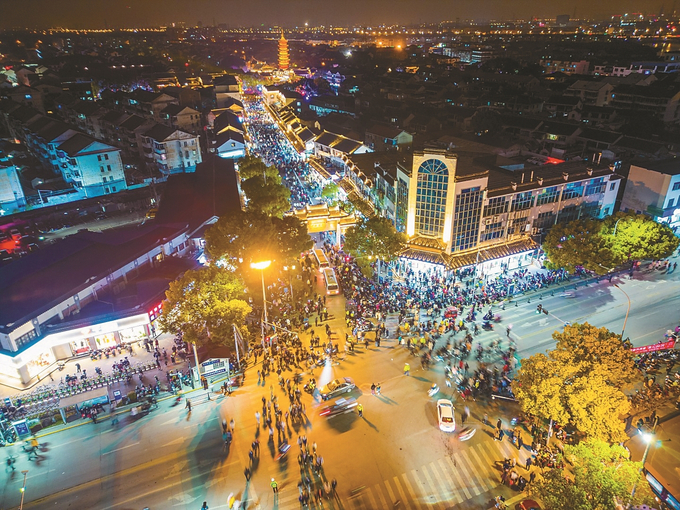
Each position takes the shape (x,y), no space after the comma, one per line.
(170,150)
(12,197)
(653,188)
(464,209)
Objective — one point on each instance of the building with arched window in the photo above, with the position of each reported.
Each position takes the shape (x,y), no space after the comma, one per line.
(476,208)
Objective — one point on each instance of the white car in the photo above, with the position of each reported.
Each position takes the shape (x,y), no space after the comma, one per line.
(446,416)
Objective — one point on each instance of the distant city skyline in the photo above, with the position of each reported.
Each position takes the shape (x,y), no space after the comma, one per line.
(291,13)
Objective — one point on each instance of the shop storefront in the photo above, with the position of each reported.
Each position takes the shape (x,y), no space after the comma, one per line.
(40,357)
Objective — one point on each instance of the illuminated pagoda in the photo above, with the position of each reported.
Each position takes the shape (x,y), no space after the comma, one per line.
(284,59)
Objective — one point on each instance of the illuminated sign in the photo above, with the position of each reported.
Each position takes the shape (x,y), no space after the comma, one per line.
(155,312)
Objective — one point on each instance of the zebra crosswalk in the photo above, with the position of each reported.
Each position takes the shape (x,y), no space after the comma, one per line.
(465,475)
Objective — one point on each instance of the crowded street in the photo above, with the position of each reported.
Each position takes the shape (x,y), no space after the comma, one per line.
(176,456)
(340,397)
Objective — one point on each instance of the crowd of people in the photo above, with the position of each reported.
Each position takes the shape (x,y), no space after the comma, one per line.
(268,142)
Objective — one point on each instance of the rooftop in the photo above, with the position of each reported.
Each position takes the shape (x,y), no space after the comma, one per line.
(159,132)
(44,278)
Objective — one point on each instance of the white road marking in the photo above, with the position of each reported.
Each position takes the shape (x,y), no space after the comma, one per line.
(121,448)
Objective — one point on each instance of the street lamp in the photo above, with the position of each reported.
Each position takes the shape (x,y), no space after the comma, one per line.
(23,490)
(262,265)
(627,311)
(647,438)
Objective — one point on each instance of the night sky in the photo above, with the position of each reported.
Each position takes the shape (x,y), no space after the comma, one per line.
(290,13)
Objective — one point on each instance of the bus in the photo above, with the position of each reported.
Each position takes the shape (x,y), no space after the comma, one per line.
(321,259)
(330,281)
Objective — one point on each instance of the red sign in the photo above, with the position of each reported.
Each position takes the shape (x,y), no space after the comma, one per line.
(654,347)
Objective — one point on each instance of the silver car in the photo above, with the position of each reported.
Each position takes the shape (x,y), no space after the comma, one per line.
(337,387)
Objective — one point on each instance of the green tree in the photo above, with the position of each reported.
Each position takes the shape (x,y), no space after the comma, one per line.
(580,382)
(330,192)
(292,237)
(372,238)
(639,237)
(266,196)
(602,477)
(239,239)
(601,245)
(263,187)
(203,304)
(579,243)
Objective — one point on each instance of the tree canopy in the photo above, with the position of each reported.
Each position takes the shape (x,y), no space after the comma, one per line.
(601,476)
(263,187)
(203,304)
(330,192)
(580,382)
(601,245)
(639,237)
(246,237)
(374,237)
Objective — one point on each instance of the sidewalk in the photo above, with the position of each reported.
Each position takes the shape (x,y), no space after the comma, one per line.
(140,355)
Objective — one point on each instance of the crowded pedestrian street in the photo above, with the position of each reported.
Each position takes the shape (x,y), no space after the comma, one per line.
(269,143)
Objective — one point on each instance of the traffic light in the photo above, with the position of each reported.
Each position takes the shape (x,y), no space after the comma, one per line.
(539,308)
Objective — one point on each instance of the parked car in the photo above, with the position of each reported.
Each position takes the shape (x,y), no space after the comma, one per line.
(337,387)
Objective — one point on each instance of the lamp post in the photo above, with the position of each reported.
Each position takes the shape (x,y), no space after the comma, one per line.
(23,490)
(262,265)
(625,321)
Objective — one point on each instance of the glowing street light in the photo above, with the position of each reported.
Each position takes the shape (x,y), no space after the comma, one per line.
(262,265)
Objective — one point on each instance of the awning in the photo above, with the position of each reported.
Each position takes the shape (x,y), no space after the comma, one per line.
(83,397)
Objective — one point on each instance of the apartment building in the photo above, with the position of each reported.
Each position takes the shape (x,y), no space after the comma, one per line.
(170,150)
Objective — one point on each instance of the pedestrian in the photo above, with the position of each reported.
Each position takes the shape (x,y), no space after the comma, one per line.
(529,461)
(205,506)
(499,424)
(112,411)
(520,441)
(274,486)
(251,455)
(231,424)
(485,420)
(407,369)
(373,389)
(532,476)
(360,408)
(257,418)
(247,473)
(500,435)
(377,389)
(188,405)
(78,367)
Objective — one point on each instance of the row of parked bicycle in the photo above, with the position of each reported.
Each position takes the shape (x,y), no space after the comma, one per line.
(46,397)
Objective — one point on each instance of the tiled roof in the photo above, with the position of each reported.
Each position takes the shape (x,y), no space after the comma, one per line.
(159,132)
(75,144)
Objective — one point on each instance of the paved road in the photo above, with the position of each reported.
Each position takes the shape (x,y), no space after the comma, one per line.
(394,453)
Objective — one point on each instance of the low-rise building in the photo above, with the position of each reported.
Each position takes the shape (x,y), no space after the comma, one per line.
(179,117)
(380,137)
(12,197)
(598,93)
(226,88)
(92,166)
(653,188)
(229,144)
(331,148)
(170,150)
